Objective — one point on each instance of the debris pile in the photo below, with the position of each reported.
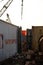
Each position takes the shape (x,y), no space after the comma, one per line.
(27,58)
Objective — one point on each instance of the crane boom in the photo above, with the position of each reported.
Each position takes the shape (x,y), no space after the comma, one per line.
(5,7)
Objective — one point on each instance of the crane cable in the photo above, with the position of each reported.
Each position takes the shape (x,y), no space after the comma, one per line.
(21,9)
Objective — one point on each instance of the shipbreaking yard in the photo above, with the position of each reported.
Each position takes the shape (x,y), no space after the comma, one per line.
(20,47)
(17,46)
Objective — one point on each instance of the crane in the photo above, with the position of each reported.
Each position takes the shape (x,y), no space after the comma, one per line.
(21,9)
(5,7)
(8,18)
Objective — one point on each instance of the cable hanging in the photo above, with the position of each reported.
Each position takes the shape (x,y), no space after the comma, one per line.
(21,9)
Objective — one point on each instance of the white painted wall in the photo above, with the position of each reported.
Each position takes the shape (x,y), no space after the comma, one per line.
(9,32)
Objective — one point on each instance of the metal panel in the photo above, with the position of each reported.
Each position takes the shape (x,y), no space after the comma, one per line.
(37,32)
(9,32)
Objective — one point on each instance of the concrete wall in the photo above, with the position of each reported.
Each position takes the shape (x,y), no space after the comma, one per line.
(9,32)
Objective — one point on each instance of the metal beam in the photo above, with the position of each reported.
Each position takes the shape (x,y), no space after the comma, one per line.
(5,7)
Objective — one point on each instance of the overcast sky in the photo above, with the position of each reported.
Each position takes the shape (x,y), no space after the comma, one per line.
(32,13)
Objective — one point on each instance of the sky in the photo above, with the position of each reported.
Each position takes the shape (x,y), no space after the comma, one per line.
(32,13)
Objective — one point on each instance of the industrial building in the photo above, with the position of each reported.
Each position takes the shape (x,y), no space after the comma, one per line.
(8,39)
(19,46)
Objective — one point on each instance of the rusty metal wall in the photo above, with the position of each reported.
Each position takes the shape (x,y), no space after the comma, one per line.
(37,32)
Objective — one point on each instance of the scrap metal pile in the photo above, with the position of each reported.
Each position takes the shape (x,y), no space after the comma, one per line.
(27,58)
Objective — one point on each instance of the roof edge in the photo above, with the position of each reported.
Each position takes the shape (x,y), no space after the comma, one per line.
(8,23)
